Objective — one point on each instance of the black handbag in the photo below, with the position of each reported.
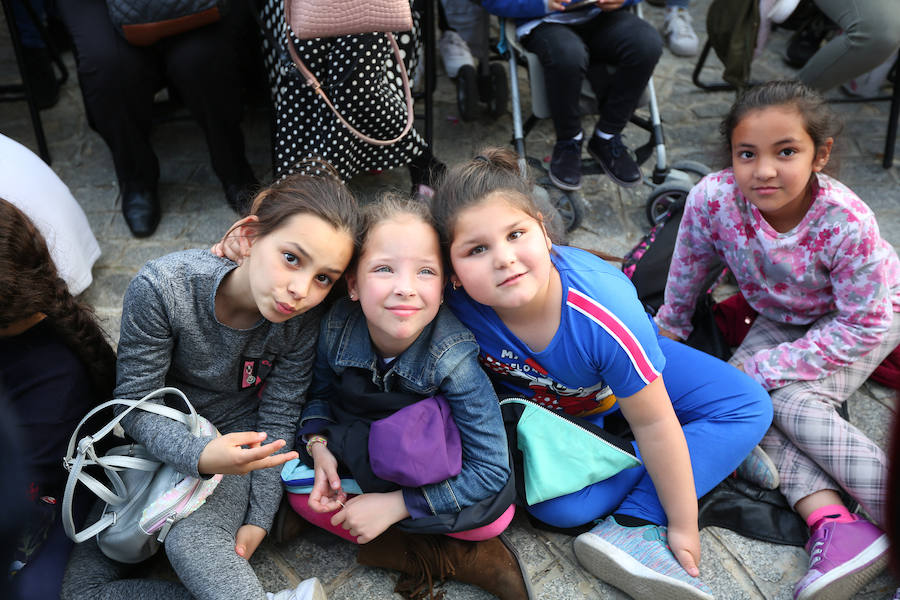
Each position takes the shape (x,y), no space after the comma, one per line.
(145,22)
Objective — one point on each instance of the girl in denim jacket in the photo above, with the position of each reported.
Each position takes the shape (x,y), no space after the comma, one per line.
(392,337)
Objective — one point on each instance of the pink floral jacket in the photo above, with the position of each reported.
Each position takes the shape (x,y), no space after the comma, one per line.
(834,263)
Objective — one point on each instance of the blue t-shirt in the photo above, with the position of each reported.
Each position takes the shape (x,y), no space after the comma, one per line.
(605,345)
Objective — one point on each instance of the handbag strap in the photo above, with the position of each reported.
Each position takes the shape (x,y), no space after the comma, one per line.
(313,82)
(81,453)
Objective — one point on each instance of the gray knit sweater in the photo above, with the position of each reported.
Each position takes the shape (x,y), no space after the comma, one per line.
(241,380)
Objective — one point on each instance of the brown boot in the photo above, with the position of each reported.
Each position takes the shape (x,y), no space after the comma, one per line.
(287,524)
(418,557)
(493,565)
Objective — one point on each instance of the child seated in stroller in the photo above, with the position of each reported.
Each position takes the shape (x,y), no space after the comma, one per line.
(576,39)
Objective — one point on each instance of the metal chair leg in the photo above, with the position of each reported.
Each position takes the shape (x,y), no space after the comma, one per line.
(891,137)
(24,91)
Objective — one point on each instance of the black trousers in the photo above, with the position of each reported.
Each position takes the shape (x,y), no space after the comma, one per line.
(569,53)
(118,82)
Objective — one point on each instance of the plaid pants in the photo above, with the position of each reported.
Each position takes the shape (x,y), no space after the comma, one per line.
(813,447)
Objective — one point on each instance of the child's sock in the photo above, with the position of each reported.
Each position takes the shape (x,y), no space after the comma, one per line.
(629,521)
(603,135)
(832,512)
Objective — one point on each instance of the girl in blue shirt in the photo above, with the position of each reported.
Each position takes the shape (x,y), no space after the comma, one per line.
(566,330)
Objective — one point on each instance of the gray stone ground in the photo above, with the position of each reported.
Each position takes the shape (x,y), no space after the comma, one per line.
(195,214)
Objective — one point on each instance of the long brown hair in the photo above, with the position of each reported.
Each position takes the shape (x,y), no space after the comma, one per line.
(31,284)
(493,170)
(819,120)
(323,196)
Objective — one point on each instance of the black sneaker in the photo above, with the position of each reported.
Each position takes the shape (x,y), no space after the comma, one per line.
(615,159)
(565,165)
(807,40)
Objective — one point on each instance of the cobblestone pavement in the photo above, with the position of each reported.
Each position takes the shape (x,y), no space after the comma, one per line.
(195,215)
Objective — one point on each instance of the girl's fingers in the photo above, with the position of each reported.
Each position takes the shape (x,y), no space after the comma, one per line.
(256,453)
(686,559)
(273,461)
(244,438)
(339,518)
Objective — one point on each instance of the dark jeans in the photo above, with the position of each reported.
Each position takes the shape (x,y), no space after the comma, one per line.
(569,53)
(118,82)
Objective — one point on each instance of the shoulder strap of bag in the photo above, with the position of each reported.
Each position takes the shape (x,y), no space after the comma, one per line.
(81,453)
(317,87)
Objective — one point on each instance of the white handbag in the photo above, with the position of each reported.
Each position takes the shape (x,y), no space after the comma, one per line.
(147,495)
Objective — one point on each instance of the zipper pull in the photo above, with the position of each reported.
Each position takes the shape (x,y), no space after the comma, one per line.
(164,530)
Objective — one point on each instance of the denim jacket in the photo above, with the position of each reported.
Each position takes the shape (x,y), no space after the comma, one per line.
(444,358)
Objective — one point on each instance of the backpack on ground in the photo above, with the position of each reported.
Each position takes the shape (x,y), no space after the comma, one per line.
(147,497)
(647,265)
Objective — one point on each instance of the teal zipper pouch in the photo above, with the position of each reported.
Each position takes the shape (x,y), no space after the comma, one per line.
(562,454)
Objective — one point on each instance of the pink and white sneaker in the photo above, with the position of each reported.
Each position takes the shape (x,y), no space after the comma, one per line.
(843,557)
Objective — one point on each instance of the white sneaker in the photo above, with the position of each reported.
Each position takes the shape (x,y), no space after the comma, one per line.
(869,84)
(679,34)
(781,10)
(454,53)
(309,589)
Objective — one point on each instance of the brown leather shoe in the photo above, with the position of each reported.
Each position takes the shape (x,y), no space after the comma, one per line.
(287,524)
(493,564)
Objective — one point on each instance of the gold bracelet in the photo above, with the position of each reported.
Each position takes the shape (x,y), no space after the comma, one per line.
(315,439)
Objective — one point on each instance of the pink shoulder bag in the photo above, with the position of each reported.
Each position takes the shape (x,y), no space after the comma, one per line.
(310,19)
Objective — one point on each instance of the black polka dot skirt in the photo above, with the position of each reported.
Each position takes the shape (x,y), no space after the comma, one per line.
(360,76)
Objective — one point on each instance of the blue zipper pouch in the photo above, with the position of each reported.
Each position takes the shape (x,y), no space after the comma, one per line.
(298,479)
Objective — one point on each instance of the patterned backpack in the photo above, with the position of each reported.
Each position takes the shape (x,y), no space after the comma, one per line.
(647,265)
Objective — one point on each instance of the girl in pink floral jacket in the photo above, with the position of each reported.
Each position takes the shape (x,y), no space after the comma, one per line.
(808,257)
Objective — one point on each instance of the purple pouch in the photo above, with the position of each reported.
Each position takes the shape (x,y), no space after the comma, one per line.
(417,445)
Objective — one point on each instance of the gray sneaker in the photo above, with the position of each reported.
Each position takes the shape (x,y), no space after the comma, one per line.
(759,469)
(679,33)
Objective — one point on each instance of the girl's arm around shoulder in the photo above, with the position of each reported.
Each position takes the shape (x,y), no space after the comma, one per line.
(664,452)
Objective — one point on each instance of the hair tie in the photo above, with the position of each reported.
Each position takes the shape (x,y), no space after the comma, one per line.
(482,158)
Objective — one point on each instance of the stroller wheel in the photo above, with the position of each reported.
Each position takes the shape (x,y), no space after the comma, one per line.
(467,92)
(499,96)
(663,197)
(570,206)
(693,167)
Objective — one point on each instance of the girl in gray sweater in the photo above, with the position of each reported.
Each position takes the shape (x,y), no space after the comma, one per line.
(239,341)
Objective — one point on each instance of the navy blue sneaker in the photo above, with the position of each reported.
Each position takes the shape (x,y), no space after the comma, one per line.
(565,165)
(613,156)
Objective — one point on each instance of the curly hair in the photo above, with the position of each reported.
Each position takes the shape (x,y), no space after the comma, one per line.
(31,285)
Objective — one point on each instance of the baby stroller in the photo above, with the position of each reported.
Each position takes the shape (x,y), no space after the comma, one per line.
(669,185)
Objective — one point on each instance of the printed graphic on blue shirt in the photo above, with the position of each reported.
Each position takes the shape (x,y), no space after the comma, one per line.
(533,381)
